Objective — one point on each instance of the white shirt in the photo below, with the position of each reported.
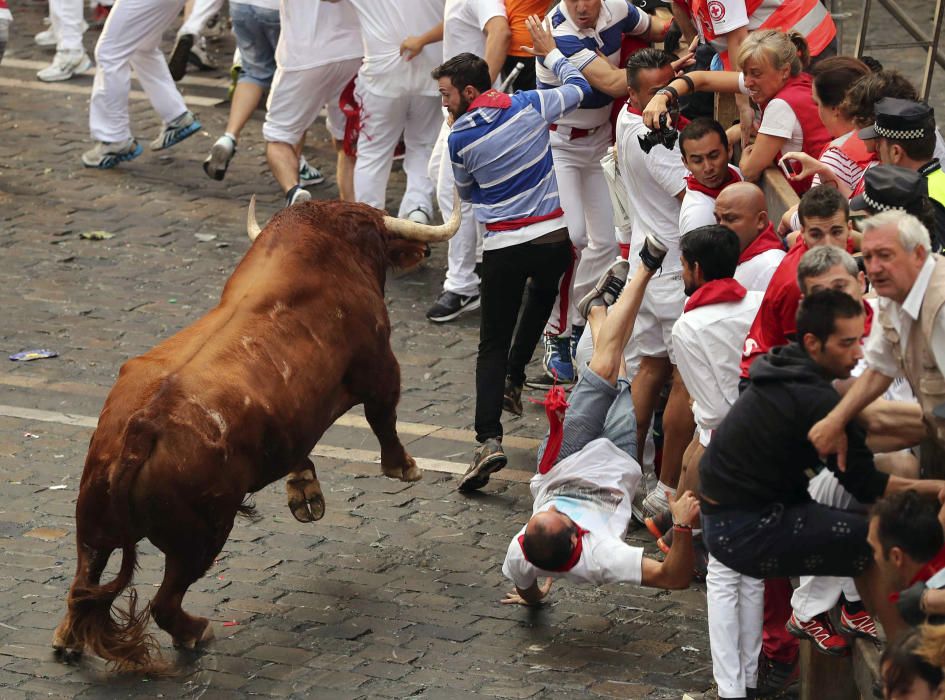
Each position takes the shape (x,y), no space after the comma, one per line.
(697,209)
(755,274)
(384,25)
(878,352)
(593,487)
(779,120)
(315,33)
(707,342)
(464,23)
(652,181)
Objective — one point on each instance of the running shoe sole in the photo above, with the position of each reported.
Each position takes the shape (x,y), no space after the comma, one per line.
(177,63)
(801,633)
(479,477)
(175,137)
(216,164)
(110,161)
(471,306)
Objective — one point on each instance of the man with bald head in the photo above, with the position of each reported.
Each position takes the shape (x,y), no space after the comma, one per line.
(741,207)
(587,474)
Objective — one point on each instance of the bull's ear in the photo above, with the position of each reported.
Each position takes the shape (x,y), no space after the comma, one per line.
(403,254)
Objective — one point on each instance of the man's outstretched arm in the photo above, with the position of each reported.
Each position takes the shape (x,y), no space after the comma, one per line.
(828,435)
(533,595)
(676,570)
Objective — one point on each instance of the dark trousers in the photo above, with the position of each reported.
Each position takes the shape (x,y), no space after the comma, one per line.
(804,539)
(506,273)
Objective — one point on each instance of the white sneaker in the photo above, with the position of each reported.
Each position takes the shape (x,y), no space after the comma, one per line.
(65,64)
(47,37)
(296,195)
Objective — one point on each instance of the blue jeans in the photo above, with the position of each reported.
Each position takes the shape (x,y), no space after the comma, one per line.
(257,33)
(597,409)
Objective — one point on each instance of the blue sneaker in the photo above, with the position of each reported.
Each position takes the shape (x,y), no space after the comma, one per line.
(176,131)
(108,155)
(557,361)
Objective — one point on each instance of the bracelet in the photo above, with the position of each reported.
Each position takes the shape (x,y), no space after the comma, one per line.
(686,79)
(669,90)
(682,528)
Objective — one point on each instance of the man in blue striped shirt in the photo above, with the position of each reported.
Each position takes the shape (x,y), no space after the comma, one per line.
(502,164)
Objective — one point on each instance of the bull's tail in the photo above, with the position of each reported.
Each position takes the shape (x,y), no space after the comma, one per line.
(120,636)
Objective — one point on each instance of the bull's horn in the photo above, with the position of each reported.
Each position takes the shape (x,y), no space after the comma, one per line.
(423,232)
(252,227)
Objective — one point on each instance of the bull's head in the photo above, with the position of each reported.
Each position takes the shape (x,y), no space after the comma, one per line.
(404,228)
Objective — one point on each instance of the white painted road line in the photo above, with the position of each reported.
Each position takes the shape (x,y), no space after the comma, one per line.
(343,453)
(15,83)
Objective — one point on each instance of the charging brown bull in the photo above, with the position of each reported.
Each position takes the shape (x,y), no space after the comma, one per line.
(232,403)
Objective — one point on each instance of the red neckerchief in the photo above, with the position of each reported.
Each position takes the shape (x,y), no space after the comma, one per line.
(575,553)
(491,98)
(766,240)
(716,292)
(681,123)
(693,184)
(555,403)
(928,570)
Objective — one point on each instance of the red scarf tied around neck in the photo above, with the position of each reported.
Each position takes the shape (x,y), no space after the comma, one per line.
(716,292)
(693,184)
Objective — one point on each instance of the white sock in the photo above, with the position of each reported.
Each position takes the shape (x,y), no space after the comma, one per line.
(661,490)
(230,136)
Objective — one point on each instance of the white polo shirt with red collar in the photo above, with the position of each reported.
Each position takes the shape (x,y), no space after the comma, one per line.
(593,487)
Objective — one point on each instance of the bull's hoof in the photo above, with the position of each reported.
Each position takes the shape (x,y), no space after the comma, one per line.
(191,643)
(64,645)
(305,497)
(408,471)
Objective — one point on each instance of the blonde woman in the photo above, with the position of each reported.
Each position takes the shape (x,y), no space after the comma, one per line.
(773,77)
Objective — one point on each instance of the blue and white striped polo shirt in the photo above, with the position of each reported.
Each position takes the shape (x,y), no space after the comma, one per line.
(581,46)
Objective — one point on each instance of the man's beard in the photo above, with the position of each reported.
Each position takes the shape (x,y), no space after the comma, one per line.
(462,109)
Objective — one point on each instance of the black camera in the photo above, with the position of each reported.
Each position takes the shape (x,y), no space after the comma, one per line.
(665,135)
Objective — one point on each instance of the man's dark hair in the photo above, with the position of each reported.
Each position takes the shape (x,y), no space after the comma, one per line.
(716,248)
(547,548)
(465,69)
(818,313)
(923,148)
(645,59)
(822,202)
(903,663)
(698,128)
(909,521)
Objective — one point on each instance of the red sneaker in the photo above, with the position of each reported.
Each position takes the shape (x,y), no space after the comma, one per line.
(857,624)
(821,632)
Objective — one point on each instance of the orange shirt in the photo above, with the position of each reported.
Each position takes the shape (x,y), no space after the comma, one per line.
(517,11)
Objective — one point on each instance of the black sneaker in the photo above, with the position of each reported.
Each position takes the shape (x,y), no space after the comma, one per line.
(177,63)
(449,305)
(489,459)
(775,677)
(512,399)
(652,253)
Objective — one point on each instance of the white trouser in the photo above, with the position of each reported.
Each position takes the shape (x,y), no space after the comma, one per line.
(585,200)
(461,277)
(818,594)
(736,613)
(65,17)
(200,14)
(383,120)
(131,39)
